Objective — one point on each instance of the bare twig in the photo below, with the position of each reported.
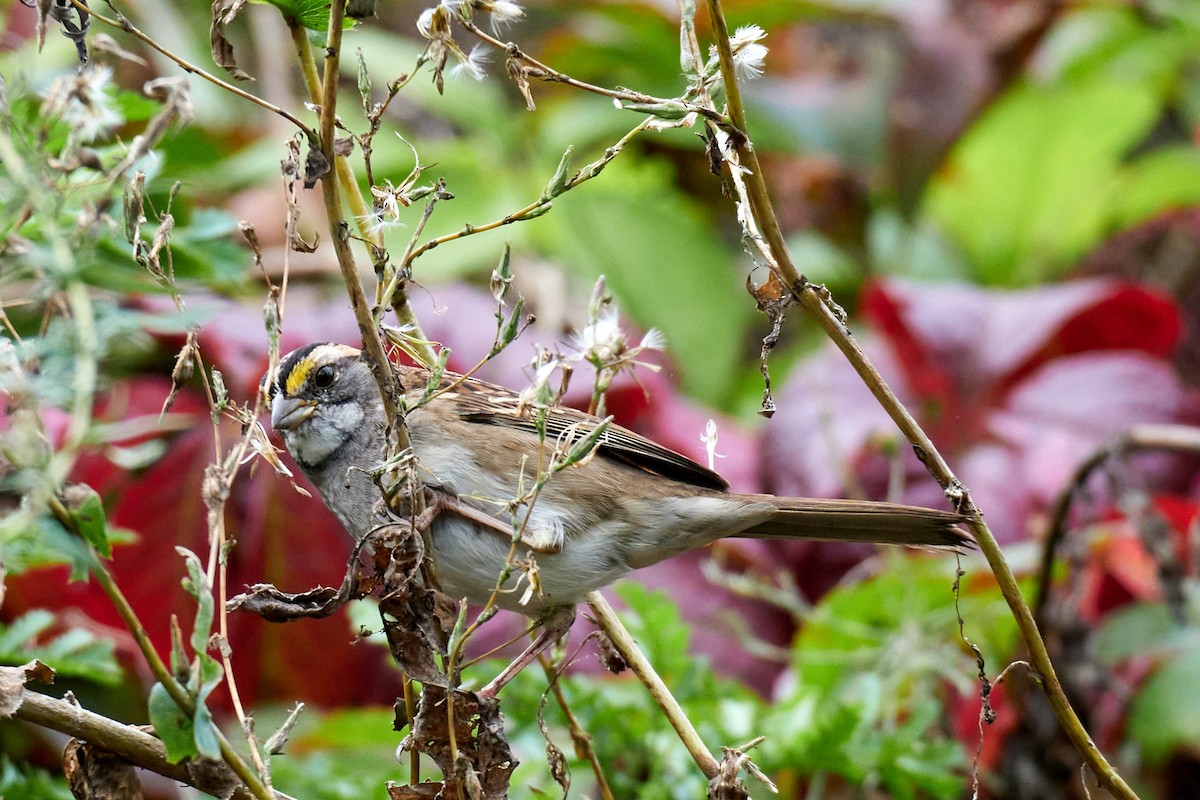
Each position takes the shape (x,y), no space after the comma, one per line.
(157,668)
(536,69)
(122,23)
(579,736)
(608,622)
(130,743)
(817,302)
(340,233)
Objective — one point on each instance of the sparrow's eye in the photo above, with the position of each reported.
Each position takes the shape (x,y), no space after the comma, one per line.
(323,378)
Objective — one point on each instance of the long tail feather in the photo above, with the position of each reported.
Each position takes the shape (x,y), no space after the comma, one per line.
(860,521)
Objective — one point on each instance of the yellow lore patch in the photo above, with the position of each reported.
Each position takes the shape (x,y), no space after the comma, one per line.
(319,357)
(299,374)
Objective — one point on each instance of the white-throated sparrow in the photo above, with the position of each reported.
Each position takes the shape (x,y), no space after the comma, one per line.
(633,504)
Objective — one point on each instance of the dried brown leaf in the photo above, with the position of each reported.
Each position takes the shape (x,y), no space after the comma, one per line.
(96,774)
(290,169)
(223,13)
(12,684)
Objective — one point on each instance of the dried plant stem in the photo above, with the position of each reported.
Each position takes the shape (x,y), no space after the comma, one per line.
(608,622)
(580,737)
(339,231)
(157,668)
(536,69)
(122,23)
(815,302)
(410,711)
(130,743)
(349,187)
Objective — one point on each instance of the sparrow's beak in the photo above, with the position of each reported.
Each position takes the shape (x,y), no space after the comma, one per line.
(289,412)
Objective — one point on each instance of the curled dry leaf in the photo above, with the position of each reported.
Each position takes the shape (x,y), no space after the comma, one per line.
(290,168)
(223,13)
(409,609)
(181,373)
(773,301)
(519,76)
(560,770)
(93,773)
(103,43)
(484,763)
(12,684)
(316,166)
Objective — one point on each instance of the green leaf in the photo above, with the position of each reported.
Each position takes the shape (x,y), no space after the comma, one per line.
(655,622)
(75,653)
(311,14)
(1029,188)
(173,727)
(31,541)
(135,107)
(88,512)
(1165,715)
(1159,181)
(208,743)
(196,584)
(202,250)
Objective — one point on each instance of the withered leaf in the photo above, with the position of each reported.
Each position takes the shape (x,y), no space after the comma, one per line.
(223,13)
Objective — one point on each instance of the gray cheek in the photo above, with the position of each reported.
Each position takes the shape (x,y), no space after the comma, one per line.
(320,437)
(346,417)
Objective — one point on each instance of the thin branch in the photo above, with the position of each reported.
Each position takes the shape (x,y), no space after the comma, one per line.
(536,69)
(340,233)
(608,621)
(579,736)
(122,23)
(349,187)
(817,302)
(130,743)
(157,668)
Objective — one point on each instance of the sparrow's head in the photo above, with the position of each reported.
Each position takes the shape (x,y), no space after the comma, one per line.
(321,397)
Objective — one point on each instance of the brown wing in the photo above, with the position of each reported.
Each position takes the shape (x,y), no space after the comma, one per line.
(488,404)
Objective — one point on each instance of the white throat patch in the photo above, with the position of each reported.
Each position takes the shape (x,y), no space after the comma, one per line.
(318,437)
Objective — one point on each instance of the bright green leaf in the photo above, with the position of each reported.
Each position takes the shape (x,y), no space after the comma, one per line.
(196,584)
(75,653)
(30,783)
(173,727)
(1028,189)
(208,742)
(88,513)
(311,14)
(1157,182)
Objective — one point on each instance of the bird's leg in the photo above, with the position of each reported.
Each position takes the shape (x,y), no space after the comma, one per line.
(554,626)
(546,543)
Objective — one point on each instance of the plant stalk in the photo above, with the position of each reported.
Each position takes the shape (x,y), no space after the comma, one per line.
(610,623)
(814,302)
